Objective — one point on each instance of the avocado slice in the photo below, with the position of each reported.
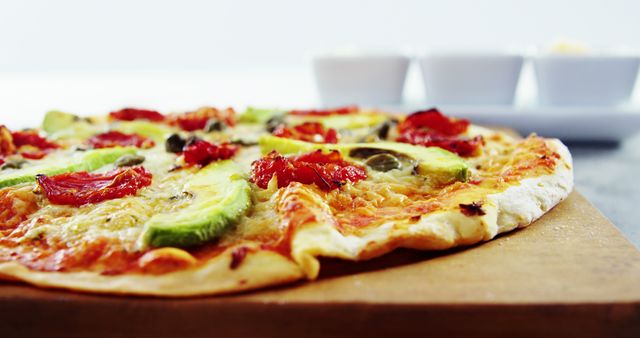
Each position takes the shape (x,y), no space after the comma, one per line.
(55,120)
(90,161)
(60,125)
(259,115)
(155,131)
(342,121)
(442,165)
(221,198)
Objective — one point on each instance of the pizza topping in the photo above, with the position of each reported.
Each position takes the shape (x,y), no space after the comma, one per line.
(274,122)
(80,188)
(129,160)
(462,147)
(198,120)
(174,144)
(117,139)
(326,112)
(214,125)
(430,128)
(379,132)
(132,114)
(328,171)
(200,152)
(237,257)
(383,162)
(434,121)
(12,163)
(472,209)
(309,131)
(31,145)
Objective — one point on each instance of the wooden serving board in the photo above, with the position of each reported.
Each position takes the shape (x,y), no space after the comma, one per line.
(570,272)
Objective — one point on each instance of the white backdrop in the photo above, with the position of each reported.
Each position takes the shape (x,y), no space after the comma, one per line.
(38,35)
(90,56)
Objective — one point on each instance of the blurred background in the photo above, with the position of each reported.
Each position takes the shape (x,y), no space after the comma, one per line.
(90,57)
(125,35)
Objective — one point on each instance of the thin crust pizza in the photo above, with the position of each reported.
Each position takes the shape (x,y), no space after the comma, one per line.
(210,201)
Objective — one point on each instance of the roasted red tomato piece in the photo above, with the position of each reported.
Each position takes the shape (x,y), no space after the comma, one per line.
(202,152)
(308,131)
(326,112)
(80,188)
(463,147)
(117,139)
(132,114)
(31,145)
(328,171)
(197,120)
(434,121)
(430,128)
(32,138)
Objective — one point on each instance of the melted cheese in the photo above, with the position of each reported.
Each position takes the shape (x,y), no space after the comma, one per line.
(119,219)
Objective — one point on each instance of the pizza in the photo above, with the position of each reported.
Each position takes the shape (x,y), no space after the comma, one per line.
(212,201)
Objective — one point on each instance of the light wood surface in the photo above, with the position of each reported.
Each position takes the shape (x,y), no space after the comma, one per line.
(571,272)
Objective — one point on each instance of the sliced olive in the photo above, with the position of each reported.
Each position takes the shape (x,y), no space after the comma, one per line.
(274,122)
(379,132)
(13,164)
(383,162)
(214,125)
(183,195)
(244,143)
(129,160)
(366,152)
(174,143)
(191,140)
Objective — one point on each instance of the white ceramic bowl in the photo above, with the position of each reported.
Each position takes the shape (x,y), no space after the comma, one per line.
(360,79)
(471,78)
(585,79)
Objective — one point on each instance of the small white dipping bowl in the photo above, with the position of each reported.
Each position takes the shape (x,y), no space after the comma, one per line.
(585,79)
(468,78)
(360,79)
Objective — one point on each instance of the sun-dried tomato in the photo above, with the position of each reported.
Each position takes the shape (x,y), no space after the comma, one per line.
(326,170)
(202,152)
(308,131)
(430,128)
(32,138)
(435,121)
(461,146)
(197,120)
(132,114)
(80,188)
(31,145)
(326,112)
(117,139)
